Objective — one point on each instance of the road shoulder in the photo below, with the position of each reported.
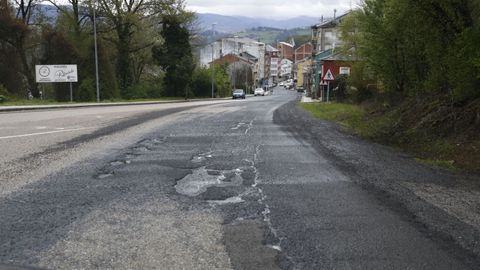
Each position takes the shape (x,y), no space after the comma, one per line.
(442,204)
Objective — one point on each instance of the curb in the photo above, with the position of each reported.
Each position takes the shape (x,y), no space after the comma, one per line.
(87,105)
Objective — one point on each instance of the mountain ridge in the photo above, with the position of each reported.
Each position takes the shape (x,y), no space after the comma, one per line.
(232,24)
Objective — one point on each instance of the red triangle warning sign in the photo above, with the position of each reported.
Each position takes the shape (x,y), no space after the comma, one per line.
(328,76)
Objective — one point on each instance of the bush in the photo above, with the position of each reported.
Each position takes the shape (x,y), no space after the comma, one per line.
(201,85)
(86,90)
(3,94)
(148,88)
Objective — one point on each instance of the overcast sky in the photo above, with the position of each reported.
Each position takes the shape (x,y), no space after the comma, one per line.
(276,9)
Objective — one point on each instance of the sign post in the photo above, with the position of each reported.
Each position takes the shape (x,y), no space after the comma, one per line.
(328,78)
(71,93)
(56,73)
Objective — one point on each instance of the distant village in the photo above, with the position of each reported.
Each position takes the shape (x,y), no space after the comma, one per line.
(312,65)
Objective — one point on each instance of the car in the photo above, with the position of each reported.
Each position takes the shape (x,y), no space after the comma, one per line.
(259,92)
(281,84)
(238,93)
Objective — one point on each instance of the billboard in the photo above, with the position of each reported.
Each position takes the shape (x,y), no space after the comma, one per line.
(56,73)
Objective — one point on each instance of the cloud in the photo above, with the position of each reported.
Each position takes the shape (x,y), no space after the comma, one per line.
(276,9)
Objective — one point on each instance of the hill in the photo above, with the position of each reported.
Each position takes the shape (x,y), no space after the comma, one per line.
(233,24)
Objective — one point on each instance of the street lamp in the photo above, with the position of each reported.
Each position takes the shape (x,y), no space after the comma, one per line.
(235,62)
(213,64)
(96,52)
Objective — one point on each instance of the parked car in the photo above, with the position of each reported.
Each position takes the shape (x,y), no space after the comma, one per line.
(238,93)
(259,92)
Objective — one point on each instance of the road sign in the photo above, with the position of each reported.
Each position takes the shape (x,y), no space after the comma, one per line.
(344,70)
(56,73)
(328,76)
(323,83)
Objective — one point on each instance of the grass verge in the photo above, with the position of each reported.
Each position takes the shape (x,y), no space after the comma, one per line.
(32,102)
(458,150)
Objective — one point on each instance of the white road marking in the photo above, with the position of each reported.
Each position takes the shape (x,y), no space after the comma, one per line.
(43,133)
(42,127)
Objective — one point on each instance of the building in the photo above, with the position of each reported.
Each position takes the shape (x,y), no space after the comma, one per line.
(303,52)
(236,46)
(326,35)
(272,62)
(328,61)
(286,50)
(285,71)
(303,71)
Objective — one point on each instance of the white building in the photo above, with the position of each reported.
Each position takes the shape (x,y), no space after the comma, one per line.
(237,46)
(285,70)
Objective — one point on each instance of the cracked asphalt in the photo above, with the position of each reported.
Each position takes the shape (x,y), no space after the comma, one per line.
(244,184)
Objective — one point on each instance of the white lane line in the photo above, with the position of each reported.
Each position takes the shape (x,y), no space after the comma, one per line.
(43,133)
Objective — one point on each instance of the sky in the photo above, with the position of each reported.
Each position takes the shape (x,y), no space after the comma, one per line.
(272,9)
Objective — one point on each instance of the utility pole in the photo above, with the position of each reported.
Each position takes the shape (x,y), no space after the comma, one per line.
(213,64)
(96,52)
(235,62)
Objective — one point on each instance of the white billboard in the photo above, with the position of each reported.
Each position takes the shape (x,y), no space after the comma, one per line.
(56,73)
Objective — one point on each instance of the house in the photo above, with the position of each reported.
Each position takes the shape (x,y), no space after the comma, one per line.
(325,62)
(326,35)
(286,50)
(303,71)
(235,45)
(248,51)
(285,71)
(302,52)
(272,62)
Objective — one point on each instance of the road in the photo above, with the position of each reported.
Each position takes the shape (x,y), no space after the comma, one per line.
(201,185)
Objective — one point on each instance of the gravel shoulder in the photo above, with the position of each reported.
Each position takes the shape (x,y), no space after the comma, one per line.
(443,205)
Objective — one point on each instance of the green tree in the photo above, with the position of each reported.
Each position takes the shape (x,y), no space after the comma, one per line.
(175,57)
(417,48)
(201,85)
(10,66)
(20,36)
(58,50)
(223,85)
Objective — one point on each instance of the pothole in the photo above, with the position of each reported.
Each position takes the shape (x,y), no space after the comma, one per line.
(239,125)
(105,175)
(201,157)
(231,200)
(117,163)
(201,179)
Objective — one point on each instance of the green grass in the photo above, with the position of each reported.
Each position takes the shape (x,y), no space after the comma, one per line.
(429,149)
(350,116)
(26,102)
(449,164)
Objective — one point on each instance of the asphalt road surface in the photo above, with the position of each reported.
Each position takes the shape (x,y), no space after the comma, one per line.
(201,185)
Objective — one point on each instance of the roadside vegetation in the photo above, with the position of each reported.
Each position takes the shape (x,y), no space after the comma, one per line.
(415,83)
(144,50)
(392,126)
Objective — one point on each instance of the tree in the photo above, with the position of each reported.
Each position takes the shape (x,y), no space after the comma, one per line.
(17,32)
(416,48)
(175,56)
(10,66)
(57,49)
